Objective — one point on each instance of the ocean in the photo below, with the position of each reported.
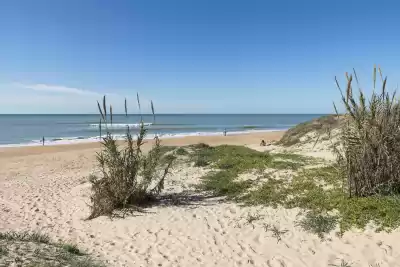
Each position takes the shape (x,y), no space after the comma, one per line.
(28,130)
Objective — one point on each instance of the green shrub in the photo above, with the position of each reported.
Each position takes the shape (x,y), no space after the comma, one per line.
(201,161)
(72,248)
(319,224)
(181,151)
(200,146)
(128,177)
(3,251)
(223,183)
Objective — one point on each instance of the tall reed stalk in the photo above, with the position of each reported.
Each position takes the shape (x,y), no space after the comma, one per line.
(369,144)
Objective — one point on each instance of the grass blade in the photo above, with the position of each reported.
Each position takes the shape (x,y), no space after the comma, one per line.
(126,108)
(140,110)
(349,92)
(100,128)
(104,108)
(355,75)
(384,87)
(111,115)
(380,73)
(338,86)
(152,110)
(334,106)
(374,76)
(101,112)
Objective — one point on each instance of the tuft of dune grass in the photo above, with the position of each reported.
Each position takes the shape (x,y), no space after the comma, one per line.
(36,249)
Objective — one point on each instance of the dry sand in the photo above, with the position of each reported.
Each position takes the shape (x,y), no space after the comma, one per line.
(45,189)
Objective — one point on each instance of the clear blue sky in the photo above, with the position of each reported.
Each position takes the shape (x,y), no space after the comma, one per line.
(191,56)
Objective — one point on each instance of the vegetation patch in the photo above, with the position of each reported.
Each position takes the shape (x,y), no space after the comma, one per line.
(224,183)
(73,249)
(241,159)
(201,161)
(25,236)
(230,161)
(318,223)
(320,126)
(128,178)
(35,249)
(362,186)
(319,190)
(166,149)
(3,251)
(181,151)
(369,151)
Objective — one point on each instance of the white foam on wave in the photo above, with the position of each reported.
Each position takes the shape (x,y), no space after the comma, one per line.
(120,125)
(80,140)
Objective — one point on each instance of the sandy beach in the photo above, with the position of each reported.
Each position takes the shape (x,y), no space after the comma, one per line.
(238,139)
(46,189)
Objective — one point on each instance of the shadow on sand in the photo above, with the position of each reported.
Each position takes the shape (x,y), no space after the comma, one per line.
(184,199)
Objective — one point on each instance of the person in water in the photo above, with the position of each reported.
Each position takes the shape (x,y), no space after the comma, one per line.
(43,140)
(263,143)
(225,132)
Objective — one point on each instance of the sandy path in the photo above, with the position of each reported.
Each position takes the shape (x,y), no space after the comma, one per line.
(49,191)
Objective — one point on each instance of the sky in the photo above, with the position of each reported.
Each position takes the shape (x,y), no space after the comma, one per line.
(191,56)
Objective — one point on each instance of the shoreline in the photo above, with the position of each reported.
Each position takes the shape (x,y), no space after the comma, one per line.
(230,139)
(121,137)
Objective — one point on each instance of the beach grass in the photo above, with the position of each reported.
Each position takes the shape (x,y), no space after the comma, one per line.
(36,249)
(128,177)
(25,236)
(368,150)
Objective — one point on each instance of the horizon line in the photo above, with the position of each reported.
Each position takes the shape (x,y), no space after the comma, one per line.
(150,114)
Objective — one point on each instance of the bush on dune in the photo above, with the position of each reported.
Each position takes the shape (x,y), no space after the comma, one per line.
(320,126)
(129,177)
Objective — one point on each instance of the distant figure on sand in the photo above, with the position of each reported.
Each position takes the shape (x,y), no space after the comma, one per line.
(225,132)
(43,140)
(263,143)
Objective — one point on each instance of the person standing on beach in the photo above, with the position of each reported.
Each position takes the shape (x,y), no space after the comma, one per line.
(225,132)
(43,140)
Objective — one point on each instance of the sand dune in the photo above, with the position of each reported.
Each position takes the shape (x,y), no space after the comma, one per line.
(48,191)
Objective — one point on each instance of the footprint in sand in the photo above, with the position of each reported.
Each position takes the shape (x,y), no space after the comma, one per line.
(386,248)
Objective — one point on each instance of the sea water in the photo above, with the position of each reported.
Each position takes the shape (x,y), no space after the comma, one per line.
(28,130)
